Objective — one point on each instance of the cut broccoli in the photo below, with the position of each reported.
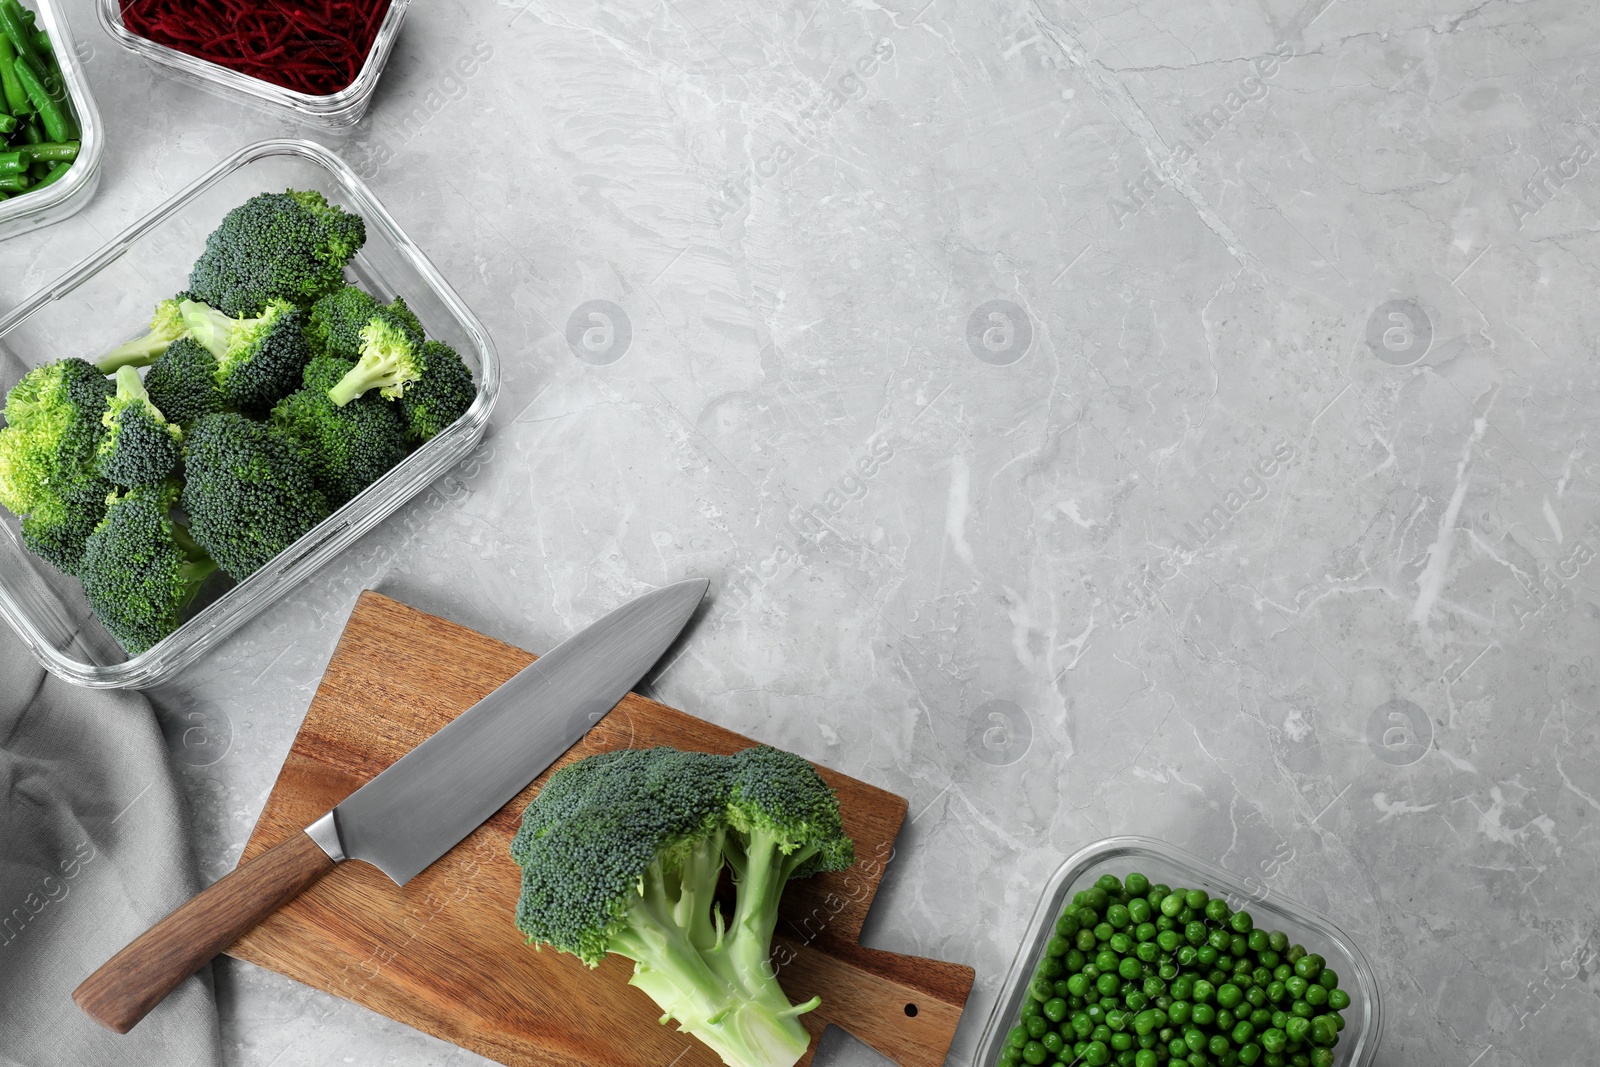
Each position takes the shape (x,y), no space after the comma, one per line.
(348,448)
(47,458)
(140,448)
(440,396)
(141,569)
(391,359)
(182,383)
(259,360)
(52,429)
(247,491)
(166,326)
(335,324)
(276,246)
(621,852)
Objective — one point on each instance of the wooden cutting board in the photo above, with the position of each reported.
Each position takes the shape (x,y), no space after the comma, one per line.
(442,954)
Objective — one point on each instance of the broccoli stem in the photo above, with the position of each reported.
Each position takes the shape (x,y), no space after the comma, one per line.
(685,964)
(140,352)
(212,328)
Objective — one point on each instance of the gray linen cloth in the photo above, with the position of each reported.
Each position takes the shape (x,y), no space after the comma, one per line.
(93,850)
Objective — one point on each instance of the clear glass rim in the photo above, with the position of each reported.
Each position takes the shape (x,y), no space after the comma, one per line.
(1133,846)
(318,544)
(85,168)
(329,105)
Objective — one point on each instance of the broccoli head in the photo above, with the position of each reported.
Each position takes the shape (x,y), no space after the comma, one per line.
(141,569)
(348,448)
(391,359)
(335,324)
(52,429)
(47,458)
(166,326)
(260,359)
(247,492)
(440,396)
(276,246)
(182,382)
(139,446)
(621,853)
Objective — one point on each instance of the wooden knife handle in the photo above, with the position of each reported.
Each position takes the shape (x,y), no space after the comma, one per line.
(906,1007)
(139,977)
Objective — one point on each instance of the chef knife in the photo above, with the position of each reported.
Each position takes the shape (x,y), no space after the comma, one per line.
(416,810)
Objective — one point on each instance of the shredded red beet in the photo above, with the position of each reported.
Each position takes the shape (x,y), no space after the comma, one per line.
(311,46)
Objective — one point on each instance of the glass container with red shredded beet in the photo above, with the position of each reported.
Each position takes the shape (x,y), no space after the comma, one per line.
(317,59)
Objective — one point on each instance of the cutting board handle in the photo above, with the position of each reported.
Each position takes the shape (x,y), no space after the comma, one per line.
(139,977)
(906,1007)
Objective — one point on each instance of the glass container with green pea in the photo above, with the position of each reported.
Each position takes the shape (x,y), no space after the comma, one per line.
(1180,965)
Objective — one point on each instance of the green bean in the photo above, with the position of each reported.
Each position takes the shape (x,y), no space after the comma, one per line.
(15,183)
(16,97)
(38,170)
(15,27)
(8,124)
(15,162)
(55,120)
(55,151)
(30,134)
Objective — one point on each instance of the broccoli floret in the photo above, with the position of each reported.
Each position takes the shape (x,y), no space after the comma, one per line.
(47,458)
(391,359)
(348,448)
(276,246)
(247,492)
(337,320)
(182,383)
(141,569)
(621,852)
(259,360)
(440,396)
(139,447)
(166,326)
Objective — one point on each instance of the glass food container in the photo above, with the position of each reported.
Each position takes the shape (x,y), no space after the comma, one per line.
(332,111)
(1163,863)
(65,196)
(108,298)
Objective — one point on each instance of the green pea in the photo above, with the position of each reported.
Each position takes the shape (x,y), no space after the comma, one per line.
(1139,910)
(1242,1032)
(1108,883)
(1172,904)
(1055,1009)
(1145,1058)
(1050,967)
(1309,967)
(1295,954)
(1217,1045)
(1278,941)
(1274,1041)
(1053,1043)
(1168,971)
(1323,1032)
(1078,985)
(1095,899)
(1086,941)
(1217,910)
(1296,986)
(1097,1054)
(1057,946)
(1168,940)
(1322,1057)
(1103,931)
(1338,999)
(1225,1019)
(1037,1026)
(1107,984)
(1241,922)
(1017,1037)
(1090,971)
(1185,955)
(1148,952)
(1195,932)
(1034,1053)
(1302,1009)
(1258,940)
(1203,990)
(1249,1054)
(1283,972)
(1135,1000)
(1121,943)
(1297,1028)
(1117,1020)
(1196,898)
(1229,996)
(1121,1042)
(1207,957)
(1261,1018)
(1146,931)
(1316,996)
(1238,945)
(1074,960)
(1255,996)
(1067,925)
(1131,969)
(1269,959)
(1180,1012)
(1203,1015)
(1117,916)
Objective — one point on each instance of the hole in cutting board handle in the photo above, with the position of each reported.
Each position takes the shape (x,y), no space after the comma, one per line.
(911,1011)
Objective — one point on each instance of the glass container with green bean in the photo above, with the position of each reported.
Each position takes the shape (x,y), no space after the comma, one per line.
(39,134)
(1138,975)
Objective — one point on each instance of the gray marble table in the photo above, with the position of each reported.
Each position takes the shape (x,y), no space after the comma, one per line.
(1095,418)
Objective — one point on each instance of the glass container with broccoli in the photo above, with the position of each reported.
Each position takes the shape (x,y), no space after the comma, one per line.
(266,395)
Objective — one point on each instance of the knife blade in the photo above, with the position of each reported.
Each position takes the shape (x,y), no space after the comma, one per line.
(417,809)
